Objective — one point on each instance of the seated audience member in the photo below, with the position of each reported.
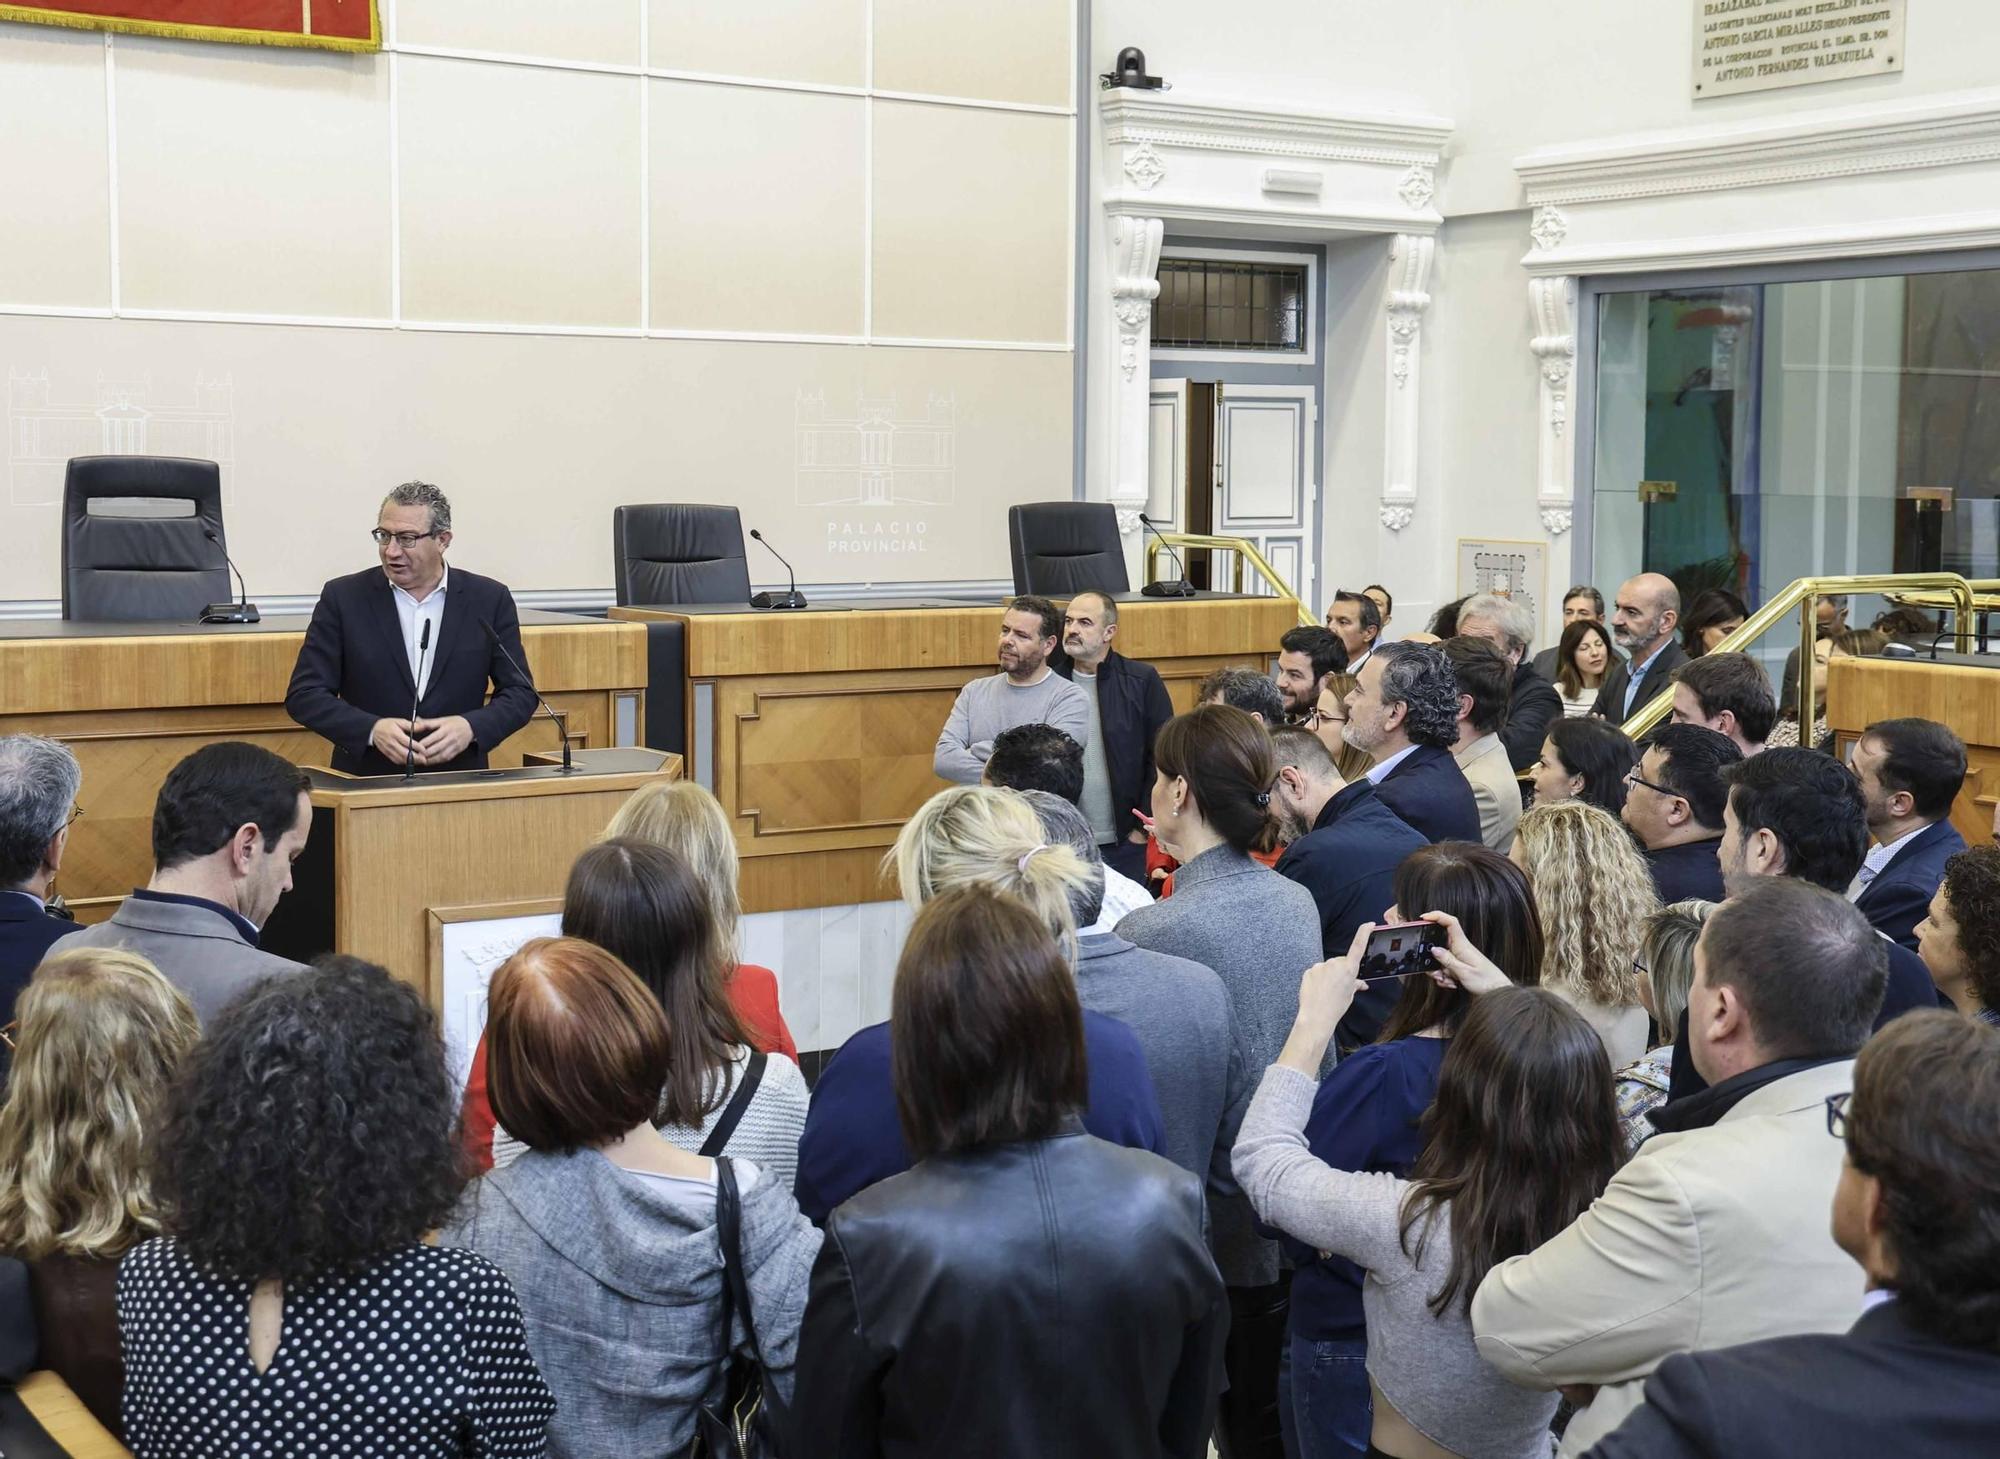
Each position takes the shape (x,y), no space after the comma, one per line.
(1481,675)
(1587,760)
(1307,657)
(1367,1117)
(1913,628)
(1384,604)
(1674,802)
(1712,616)
(1959,940)
(1342,845)
(1842,643)
(1404,713)
(1715,1232)
(229,822)
(39,779)
(1580,602)
(967,835)
(1584,660)
(1254,693)
(1524,1087)
(1917,1207)
(1128,704)
(1665,966)
(1729,694)
(1177,1009)
(1444,622)
(309,1145)
(1025,1288)
(1041,757)
(1829,618)
(1027,690)
(1595,893)
(1356,619)
(100,1036)
(1910,771)
(1643,622)
(610,1233)
(1258,931)
(1532,702)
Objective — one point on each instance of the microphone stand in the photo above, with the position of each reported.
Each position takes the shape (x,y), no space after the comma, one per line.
(240,611)
(410,755)
(493,637)
(791,598)
(1178,587)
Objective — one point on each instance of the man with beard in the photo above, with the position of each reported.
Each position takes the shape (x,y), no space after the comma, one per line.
(1644,623)
(1025,691)
(1307,657)
(1128,704)
(1403,711)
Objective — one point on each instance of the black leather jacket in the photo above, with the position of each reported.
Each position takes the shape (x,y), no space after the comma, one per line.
(1048,1298)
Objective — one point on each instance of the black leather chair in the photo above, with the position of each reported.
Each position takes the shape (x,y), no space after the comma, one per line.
(125,568)
(676,552)
(1061,548)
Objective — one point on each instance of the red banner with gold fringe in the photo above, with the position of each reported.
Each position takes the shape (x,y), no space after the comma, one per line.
(333,25)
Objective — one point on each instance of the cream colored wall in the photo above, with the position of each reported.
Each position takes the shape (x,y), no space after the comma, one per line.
(554,258)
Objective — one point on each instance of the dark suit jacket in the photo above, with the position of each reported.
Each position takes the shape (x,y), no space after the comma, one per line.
(1432,796)
(1881,1388)
(1532,706)
(1132,704)
(354,670)
(1689,871)
(1348,862)
(1611,699)
(1900,897)
(26,934)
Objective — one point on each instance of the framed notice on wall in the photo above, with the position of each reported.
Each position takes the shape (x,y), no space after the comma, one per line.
(1512,569)
(331,25)
(1759,45)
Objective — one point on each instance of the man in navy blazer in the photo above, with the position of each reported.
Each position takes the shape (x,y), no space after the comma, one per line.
(1403,711)
(1918,1375)
(1910,771)
(39,779)
(377,635)
(1129,705)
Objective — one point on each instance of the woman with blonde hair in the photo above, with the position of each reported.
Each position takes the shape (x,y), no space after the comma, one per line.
(1595,893)
(101,1033)
(1665,965)
(969,835)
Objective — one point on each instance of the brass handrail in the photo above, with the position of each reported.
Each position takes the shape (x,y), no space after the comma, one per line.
(1245,550)
(1804,594)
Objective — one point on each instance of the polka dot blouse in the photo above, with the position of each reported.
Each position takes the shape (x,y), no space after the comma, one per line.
(420,1354)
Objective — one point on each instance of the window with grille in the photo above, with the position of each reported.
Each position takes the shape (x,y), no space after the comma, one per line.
(1226,304)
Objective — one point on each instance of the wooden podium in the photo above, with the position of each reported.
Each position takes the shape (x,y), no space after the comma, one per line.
(390,859)
(1964,695)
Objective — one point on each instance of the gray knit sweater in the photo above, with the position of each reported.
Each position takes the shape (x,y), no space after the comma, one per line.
(987,706)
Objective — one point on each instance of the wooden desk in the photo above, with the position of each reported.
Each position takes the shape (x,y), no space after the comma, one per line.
(815,729)
(132,700)
(1860,691)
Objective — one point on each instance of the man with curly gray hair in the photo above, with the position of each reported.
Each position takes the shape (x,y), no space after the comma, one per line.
(1403,711)
(396,661)
(39,779)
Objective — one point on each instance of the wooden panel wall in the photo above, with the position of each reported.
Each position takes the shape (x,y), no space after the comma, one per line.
(1860,691)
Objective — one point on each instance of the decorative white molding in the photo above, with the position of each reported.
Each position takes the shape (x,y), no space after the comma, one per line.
(1418,187)
(1838,142)
(1143,166)
(1935,234)
(1410,259)
(1135,264)
(1132,118)
(1550,228)
(1294,180)
(1552,303)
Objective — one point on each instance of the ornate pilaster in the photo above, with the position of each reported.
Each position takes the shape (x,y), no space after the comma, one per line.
(1135,262)
(1553,304)
(1410,260)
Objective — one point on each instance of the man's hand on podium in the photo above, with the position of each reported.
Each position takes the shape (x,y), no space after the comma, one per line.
(440,741)
(392,738)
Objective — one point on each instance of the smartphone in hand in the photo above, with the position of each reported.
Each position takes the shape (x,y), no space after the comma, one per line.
(1401,950)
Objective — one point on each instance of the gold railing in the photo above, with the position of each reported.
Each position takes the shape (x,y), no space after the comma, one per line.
(1246,553)
(1804,594)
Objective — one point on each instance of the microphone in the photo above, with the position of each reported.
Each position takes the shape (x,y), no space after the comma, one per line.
(410,755)
(1178,587)
(790,597)
(493,637)
(240,611)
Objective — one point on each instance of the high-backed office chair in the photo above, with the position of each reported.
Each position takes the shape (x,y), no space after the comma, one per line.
(1061,548)
(135,539)
(679,552)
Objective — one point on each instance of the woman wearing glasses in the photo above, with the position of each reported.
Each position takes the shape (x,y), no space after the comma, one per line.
(394,668)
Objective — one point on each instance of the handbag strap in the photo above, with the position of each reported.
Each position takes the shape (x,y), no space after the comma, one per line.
(729,1235)
(732,1114)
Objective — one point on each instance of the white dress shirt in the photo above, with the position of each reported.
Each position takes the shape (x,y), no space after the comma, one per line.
(413,615)
(1122,896)
(1379,771)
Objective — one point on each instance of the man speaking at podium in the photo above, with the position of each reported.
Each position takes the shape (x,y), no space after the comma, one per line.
(394,667)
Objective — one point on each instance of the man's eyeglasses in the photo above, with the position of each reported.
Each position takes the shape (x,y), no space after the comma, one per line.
(405,540)
(1633,777)
(1836,1114)
(75,815)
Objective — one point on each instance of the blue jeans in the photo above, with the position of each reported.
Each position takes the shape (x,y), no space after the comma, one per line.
(1324,1400)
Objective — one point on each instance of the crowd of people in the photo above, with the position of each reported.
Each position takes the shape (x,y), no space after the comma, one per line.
(1665,1127)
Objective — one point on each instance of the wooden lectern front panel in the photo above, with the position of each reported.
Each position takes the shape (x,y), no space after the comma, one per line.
(1860,691)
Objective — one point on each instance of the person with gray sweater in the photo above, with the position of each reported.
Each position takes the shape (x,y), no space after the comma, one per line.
(1258,931)
(1025,691)
(608,1232)
(1525,1086)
